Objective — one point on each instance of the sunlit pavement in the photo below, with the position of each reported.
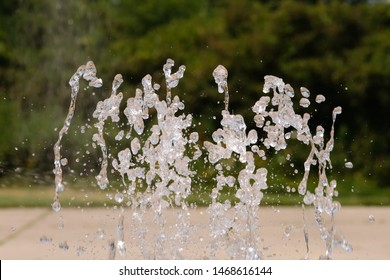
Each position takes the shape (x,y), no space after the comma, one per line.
(40,233)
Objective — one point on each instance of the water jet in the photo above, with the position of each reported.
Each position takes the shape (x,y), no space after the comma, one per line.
(158,160)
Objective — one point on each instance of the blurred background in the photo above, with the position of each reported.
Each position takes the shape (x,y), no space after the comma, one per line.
(340,49)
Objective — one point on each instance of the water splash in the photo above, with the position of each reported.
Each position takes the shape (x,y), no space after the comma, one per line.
(236,233)
(220,75)
(172,80)
(121,244)
(161,162)
(283,117)
(87,72)
(155,166)
(305,233)
(109,108)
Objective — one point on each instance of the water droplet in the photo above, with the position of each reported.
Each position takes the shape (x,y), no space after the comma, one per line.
(172,80)
(121,245)
(305,92)
(252,137)
(289,91)
(220,75)
(167,68)
(259,120)
(135,146)
(96,83)
(320,98)
(320,131)
(64,161)
(119,197)
(273,82)
(118,80)
(304,102)
(336,111)
(349,164)
(56,206)
(120,135)
(156,87)
(261,105)
(194,137)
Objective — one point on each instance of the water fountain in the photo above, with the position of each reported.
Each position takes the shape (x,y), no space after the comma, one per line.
(155,166)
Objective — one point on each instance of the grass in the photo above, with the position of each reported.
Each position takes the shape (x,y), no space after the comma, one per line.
(43,197)
(83,193)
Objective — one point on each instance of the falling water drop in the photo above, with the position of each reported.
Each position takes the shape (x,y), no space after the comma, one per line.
(305,92)
(56,205)
(118,80)
(304,102)
(64,161)
(289,90)
(135,145)
(120,135)
(336,111)
(320,98)
(194,137)
(96,83)
(119,197)
(348,164)
(121,245)
(220,75)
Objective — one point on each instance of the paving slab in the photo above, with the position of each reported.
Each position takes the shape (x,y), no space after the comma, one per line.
(86,233)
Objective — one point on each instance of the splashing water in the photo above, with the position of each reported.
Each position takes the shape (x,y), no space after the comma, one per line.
(109,108)
(155,165)
(220,75)
(88,72)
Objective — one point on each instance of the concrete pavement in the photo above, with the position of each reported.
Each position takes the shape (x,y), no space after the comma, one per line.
(40,233)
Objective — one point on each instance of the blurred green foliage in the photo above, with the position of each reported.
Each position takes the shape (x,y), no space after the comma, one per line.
(340,49)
